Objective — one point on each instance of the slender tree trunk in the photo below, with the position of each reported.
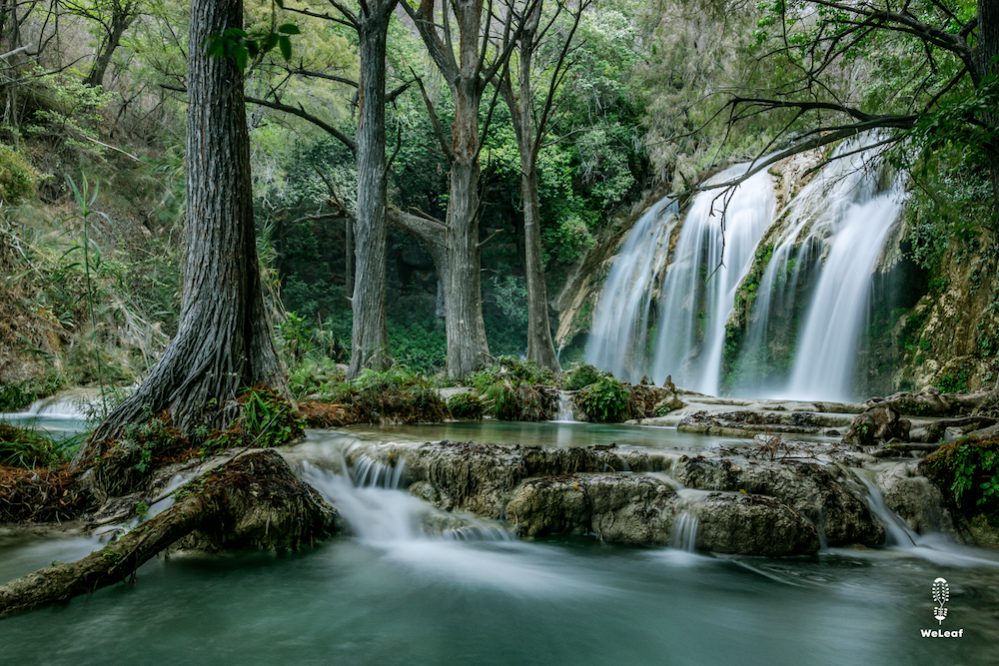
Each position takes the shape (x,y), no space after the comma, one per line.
(467,348)
(103,59)
(369,335)
(224,342)
(540,347)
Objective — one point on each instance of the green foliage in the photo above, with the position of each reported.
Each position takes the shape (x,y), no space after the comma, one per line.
(580,376)
(17,178)
(515,390)
(20,447)
(968,470)
(421,346)
(508,399)
(954,381)
(514,370)
(267,419)
(18,395)
(244,47)
(314,375)
(67,115)
(397,394)
(606,401)
(466,406)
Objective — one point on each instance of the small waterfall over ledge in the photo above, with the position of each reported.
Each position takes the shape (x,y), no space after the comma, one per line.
(774,305)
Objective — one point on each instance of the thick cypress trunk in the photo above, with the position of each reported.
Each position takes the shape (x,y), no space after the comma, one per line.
(224,341)
(467,348)
(369,337)
(987,52)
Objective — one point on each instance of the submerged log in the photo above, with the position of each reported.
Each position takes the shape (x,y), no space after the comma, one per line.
(253,501)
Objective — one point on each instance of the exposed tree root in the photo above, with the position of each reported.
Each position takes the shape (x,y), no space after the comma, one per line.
(253,501)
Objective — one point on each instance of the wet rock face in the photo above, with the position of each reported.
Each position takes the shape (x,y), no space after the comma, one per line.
(915,498)
(928,402)
(820,493)
(758,507)
(480,477)
(879,424)
(752,525)
(630,509)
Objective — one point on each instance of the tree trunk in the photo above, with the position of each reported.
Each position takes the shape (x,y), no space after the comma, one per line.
(987,53)
(467,348)
(369,335)
(103,58)
(224,342)
(540,347)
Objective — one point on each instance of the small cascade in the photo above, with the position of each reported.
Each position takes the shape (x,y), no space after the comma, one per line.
(684,535)
(618,340)
(897,532)
(370,495)
(367,472)
(565,412)
(71,405)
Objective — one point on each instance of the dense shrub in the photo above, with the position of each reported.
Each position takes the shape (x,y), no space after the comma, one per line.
(466,407)
(967,470)
(510,400)
(17,178)
(606,401)
(580,376)
(514,370)
(313,376)
(397,394)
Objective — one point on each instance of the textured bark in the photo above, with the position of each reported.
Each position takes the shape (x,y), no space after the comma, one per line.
(530,118)
(467,76)
(467,349)
(224,342)
(369,335)
(540,347)
(987,59)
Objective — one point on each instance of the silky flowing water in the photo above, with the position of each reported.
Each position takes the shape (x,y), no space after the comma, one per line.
(417,586)
(806,271)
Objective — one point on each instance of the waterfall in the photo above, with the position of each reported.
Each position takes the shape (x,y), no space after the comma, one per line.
(715,249)
(618,338)
(806,272)
(838,310)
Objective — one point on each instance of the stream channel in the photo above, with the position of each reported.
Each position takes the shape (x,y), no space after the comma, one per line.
(410,588)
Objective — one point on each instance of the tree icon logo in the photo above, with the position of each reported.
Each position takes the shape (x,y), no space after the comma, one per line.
(941,594)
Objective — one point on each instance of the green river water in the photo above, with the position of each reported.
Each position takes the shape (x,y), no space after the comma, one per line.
(395,594)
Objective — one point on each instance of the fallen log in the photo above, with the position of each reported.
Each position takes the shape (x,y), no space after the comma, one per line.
(254,501)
